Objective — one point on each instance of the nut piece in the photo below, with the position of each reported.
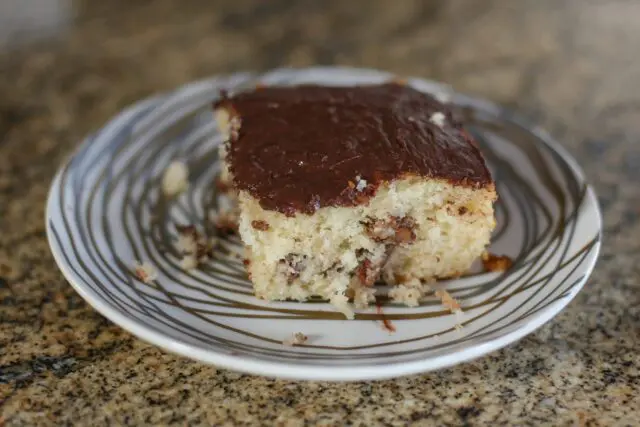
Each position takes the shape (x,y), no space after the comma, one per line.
(496,263)
(395,230)
(145,272)
(175,179)
(368,273)
(291,266)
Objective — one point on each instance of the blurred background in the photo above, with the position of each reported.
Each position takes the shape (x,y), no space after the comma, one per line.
(66,66)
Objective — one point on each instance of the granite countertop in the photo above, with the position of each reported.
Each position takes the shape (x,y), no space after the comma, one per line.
(571,66)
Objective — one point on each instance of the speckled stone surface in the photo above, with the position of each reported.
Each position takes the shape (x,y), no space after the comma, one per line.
(572,66)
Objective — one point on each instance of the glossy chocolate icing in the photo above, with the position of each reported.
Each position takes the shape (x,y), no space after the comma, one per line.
(301,148)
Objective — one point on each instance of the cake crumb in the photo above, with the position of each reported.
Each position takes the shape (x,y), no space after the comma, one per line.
(395,230)
(145,272)
(414,283)
(175,178)
(407,295)
(297,339)
(448,301)
(409,291)
(187,239)
(437,119)
(496,263)
(193,248)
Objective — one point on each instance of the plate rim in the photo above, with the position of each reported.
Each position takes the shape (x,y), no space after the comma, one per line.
(320,372)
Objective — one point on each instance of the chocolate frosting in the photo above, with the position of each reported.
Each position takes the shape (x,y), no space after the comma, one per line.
(301,148)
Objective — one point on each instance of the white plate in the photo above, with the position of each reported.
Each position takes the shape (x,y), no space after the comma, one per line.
(105,211)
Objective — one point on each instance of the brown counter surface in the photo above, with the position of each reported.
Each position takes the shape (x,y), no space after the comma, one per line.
(571,66)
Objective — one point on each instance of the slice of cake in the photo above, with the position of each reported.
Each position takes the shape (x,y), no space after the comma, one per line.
(340,187)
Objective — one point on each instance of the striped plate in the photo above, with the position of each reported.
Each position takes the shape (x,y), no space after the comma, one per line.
(106,211)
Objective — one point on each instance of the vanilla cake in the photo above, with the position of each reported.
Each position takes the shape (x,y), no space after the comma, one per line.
(342,187)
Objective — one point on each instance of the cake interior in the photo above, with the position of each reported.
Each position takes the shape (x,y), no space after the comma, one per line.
(412,229)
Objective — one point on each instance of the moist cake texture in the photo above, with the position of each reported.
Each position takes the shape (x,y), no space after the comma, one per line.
(339,187)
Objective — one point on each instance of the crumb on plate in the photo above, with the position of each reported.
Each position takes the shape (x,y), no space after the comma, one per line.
(145,272)
(297,339)
(448,301)
(363,295)
(175,178)
(496,263)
